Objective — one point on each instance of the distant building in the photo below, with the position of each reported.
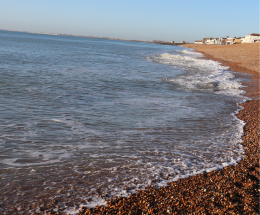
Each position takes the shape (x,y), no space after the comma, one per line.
(229,41)
(213,41)
(183,42)
(252,38)
(210,41)
(207,40)
(218,41)
(204,40)
(172,42)
(198,42)
(237,40)
(223,41)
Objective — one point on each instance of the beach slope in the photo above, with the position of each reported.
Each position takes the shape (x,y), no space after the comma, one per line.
(232,190)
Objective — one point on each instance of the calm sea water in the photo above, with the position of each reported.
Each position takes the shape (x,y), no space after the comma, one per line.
(110,114)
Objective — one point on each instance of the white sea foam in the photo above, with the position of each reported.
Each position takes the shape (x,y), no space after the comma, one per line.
(116,123)
(191,52)
(200,74)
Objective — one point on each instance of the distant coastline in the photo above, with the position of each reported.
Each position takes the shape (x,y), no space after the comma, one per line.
(96,37)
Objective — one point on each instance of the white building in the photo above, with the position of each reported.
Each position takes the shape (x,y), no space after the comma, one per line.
(218,41)
(252,38)
(229,41)
(209,41)
(215,41)
(198,42)
(223,41)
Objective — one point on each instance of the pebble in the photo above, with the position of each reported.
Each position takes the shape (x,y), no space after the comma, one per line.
(232,190)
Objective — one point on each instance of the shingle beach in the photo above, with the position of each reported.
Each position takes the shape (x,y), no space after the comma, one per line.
(232,190)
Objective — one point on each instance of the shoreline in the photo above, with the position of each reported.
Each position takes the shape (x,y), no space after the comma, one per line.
(253,87)
(233,189)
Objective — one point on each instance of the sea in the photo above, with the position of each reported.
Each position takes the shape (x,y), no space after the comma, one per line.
(83,118)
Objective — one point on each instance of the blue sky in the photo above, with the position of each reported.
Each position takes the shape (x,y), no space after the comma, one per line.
(165,20)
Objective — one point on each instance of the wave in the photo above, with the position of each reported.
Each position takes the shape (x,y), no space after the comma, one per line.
(200,74)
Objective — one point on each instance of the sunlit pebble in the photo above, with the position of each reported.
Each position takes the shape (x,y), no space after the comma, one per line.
(223,186)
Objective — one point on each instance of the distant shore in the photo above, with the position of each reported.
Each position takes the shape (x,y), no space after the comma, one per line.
(97,37)
(232,190)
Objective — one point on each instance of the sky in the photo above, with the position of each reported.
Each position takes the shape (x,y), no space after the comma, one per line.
(165,20)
